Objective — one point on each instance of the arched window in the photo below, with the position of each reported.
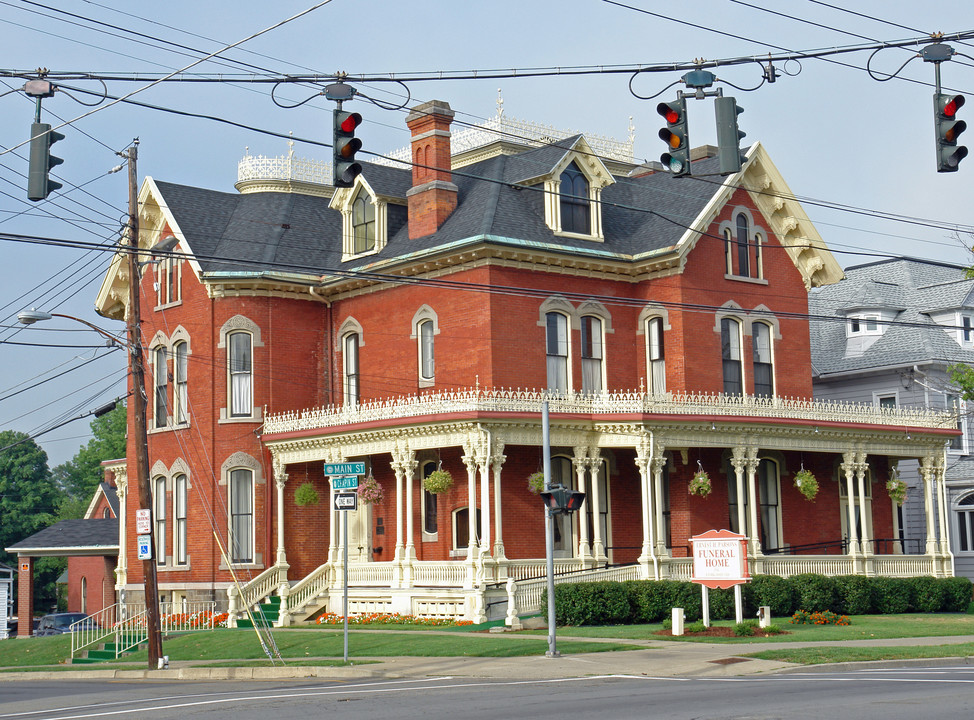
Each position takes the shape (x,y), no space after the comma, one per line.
(429,503)
(427,365)
(241,503)
(159,516)
(592,358)
(743,258)
(556,348)
(241,364)
(655,356)
(763,362)
(730,352)
(461,528)
(180,379)
(179,519)
(575,204)
(160,407)
(350,368)
(363,223)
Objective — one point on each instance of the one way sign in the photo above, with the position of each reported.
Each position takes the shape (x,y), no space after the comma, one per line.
(346,501)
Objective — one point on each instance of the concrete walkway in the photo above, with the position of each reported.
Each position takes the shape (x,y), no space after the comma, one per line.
(654,658)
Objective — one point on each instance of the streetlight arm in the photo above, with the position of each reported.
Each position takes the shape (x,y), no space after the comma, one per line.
(29,317)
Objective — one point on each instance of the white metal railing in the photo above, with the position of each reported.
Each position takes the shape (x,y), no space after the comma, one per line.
(638,403)
(124,625)
(283,167)
(261,587)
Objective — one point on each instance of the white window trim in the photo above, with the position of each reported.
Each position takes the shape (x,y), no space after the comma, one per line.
(350,326)
(424,314)
(757,237)
(773,342)
(650,312)
(598,177)
(237,461)
(877,396)
(862,318)
(342,201)
(175,535)
(956,508)
(962,420)
(163,268)
(603,362)
(234,324)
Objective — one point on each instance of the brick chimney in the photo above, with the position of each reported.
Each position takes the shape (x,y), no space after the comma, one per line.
(433,195)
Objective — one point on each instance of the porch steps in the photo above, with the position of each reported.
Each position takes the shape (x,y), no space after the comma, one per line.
(104,653)
(269,610)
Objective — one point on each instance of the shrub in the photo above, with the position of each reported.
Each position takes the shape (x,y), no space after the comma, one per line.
(825,617)
(652,600)
(771,590)
(694,627)
(813,592)
(957,594)
(746,628)
(722,603)
(926,594)
(772,630)
(890,595)
(855,594)
(687,596)
(598,603)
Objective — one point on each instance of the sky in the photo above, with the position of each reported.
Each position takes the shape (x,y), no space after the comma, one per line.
(851,147)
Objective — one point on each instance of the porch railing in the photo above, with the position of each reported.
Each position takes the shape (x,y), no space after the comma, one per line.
(124,625)
(638,403)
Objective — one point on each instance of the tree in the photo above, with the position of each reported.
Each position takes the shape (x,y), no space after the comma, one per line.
(28,502)
(79,477)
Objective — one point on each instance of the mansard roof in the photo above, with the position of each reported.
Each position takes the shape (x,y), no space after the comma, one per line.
(297,238)
(909,288)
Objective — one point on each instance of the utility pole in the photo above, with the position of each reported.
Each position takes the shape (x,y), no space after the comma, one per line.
(137,367)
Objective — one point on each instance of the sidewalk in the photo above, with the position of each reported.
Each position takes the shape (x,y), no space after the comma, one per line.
(655,658)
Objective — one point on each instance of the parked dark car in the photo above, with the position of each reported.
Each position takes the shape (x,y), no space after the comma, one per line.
(59,623)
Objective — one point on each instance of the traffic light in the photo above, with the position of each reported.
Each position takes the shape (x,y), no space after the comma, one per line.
(729,135)
(344,168)
(39,183)
(949,128)
(677,158)
(562,500)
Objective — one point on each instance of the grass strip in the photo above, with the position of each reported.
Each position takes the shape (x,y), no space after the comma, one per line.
(833,654)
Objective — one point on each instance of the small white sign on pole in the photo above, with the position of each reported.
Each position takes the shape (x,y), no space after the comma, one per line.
(142,521)
(145,547)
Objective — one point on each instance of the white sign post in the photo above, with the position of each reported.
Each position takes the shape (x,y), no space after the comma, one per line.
(720,561)
(344,476)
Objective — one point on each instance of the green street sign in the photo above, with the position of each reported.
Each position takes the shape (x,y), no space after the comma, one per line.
(346,468)
(345,482)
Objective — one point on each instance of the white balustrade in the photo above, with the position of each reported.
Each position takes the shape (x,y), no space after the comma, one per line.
(636,403)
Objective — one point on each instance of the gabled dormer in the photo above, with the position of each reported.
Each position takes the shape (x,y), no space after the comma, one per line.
(365,218)
(573,191)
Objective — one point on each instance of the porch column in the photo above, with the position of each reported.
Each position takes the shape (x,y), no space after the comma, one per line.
(656,495)
(497,459)
(940,472)
(121,568)
(865,540)
(739,462)
(578,464)
(280,480)
(848,466)
(927,473)
(409,465)
(483,466)
(644,463)
(472,547)
(399,559)
(753,533)
(594,464)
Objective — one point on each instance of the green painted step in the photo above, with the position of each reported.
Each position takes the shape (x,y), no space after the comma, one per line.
(270,610)
(104,653)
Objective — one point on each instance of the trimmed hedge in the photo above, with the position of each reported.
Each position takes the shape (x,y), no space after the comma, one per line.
(651,601)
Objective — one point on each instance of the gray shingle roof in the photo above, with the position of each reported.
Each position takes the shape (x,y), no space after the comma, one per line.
(101,533)
(271,232)
(909,287)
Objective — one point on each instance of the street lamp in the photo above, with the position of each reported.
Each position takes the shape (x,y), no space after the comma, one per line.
(137,370)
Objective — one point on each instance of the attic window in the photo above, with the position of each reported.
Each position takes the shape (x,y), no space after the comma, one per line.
(363,223)
(364,219)
(864,325)
(575,201)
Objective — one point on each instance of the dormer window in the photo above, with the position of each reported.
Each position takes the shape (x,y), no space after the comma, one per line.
(575,202)
(365,218)
(363,223)
(864,325)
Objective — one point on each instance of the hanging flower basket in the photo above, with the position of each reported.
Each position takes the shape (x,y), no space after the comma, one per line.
(700,484)
(438,481)
(806,483)
(370,491)
(306,495)
(536,482)
(896,489)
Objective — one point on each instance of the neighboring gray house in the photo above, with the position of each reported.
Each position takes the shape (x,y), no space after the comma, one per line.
(898,326)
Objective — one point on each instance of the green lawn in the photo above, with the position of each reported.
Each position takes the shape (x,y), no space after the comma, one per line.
(299,644)
(835,654)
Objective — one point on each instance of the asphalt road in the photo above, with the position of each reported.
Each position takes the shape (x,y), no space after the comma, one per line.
(917,692)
